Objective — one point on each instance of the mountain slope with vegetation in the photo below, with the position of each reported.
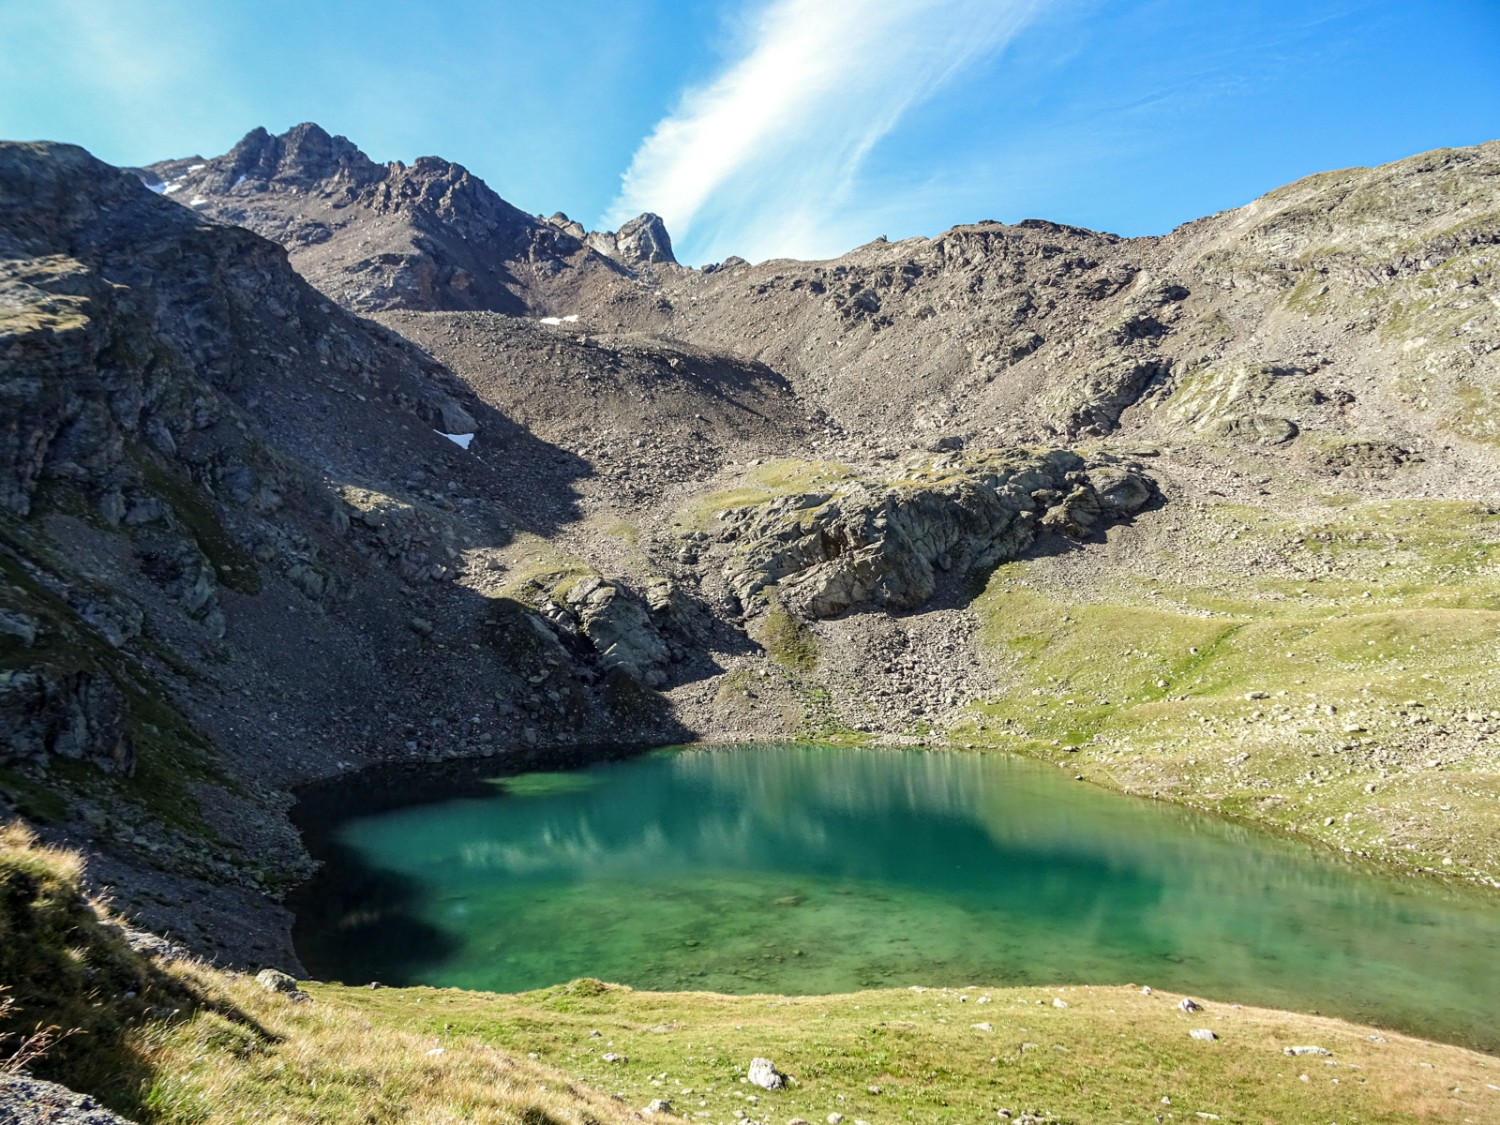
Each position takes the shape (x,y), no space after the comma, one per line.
(311,463)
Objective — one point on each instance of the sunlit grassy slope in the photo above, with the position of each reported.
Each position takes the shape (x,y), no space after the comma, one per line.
(1335,675)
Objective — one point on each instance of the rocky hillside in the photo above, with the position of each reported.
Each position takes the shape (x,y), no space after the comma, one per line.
(1323,307)
(1353,306)
(232,526)
(311,462)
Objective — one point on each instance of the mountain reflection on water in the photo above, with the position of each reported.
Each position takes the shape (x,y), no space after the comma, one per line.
(802,869)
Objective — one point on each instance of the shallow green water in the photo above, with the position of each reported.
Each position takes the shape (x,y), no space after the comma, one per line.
(802,869)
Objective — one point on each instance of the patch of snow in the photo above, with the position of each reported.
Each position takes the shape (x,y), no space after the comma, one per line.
(197,201)
(239,181)
(168,189)
(571,318)
(160,189)
(460,440)
(196,167)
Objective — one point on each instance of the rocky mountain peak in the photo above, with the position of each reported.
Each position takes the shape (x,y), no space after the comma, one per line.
(645,239)
(426,235)
(304,155)
(449,198)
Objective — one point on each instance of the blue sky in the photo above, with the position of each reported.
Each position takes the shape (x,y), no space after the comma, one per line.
(783,127)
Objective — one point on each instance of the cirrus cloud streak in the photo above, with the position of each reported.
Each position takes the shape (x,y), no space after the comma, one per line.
(765,158)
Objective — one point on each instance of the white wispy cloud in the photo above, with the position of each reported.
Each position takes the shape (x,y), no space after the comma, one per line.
(762,161)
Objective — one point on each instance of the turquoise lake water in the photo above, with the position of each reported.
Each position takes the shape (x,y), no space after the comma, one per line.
(804,869)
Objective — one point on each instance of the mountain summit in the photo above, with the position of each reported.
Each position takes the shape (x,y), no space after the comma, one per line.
(429,235)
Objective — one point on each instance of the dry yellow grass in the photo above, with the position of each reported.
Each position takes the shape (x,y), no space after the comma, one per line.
(184,1042)
(1110,1055)
(328,1061)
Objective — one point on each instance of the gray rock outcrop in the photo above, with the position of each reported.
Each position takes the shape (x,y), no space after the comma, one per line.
(622,630)
(76,715)
(30,1101)
(284,984)
(888,545)
(644,240)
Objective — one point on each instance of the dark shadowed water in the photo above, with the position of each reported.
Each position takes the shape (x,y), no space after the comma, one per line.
(801,869)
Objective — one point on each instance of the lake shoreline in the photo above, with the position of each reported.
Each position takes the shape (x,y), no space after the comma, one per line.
(809,893)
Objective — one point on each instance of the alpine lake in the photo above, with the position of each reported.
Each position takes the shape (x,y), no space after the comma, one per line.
(801,869)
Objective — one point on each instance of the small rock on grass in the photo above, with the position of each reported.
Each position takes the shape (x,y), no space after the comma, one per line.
(1294,1051)
(658,1105)
(1202,1033)
(763,1073)
(1188,1004)
(274,980)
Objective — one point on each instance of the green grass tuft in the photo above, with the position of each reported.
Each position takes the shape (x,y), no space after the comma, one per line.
(788,641)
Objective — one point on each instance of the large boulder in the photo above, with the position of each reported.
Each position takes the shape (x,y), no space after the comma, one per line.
(620,629)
